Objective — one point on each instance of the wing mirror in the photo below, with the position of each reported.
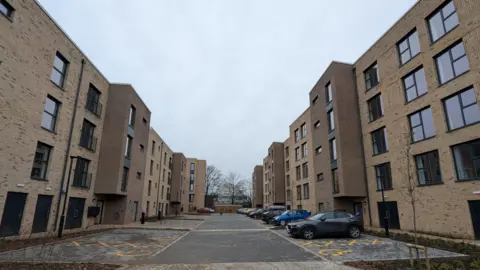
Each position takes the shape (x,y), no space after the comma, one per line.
(322,219)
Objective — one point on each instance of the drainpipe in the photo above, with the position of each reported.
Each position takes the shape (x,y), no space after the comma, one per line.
(363,147)
(160,173)
(69,143)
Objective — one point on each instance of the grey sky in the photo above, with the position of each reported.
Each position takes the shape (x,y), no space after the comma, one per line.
(223,78)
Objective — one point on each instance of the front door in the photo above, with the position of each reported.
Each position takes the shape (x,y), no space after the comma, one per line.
(358,210)
(135,211)
(98,219)
(75,211)
(475,215)
(390,210)
(12,214)
(42,213)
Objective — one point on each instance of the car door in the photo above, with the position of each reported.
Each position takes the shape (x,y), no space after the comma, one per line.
(326,225)
(341,221)
(302,214)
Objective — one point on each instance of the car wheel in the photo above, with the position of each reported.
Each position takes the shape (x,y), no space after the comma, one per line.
(354,231)
(308,233)
(283,223)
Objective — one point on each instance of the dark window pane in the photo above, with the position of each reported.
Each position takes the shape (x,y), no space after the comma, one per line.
(467,158)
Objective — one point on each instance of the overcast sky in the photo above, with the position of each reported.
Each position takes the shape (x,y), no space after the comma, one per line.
(223,78)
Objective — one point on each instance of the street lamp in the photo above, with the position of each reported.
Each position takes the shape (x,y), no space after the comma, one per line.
(385,217)
(62,218)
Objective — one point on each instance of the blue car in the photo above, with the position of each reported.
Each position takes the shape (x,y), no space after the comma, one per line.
(291,215)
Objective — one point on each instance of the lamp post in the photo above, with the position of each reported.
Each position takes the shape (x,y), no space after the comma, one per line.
(385,217)
(62,218)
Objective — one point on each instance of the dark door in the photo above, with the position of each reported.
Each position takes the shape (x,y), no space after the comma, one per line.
(12,214)
(475,215)
(390,210)
(98,219)
(358,210)
(42,213)
(75,211)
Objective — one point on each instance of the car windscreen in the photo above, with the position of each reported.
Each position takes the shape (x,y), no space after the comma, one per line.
(285,213)
(316,217)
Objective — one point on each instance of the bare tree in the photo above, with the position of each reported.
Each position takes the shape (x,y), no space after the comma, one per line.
(212,180)
(234,185)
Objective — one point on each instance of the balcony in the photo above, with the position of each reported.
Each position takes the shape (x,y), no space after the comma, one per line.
(87,141)
(82,179)
(94,106)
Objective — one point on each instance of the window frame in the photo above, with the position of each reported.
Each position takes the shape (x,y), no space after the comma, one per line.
(413,73)
(328,93)
(54,117)
(46,161)
(124,183)
(448,51)
(90,142)
(298,173)
(315,100)
(369,72)
(437,11)
(299,192)
(131,116)
(331,120)
(316,124)
(370,110)
(333,150)
(385,140)
(93,100)
(81,178)
(425,168)
(128,147)
(63,73)
(472,158)
(297,154)
(303,128)
(306,191)
(9,8)
(390,187)
(304,149)
(458,95)
(409,46)
(420,116)
(305,170)
(297,135)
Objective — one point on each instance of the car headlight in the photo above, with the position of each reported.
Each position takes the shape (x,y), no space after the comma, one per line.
(276,218)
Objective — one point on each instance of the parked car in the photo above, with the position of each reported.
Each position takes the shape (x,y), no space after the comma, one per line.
(327,224)
(269,215)
(250,210)
(239,210)
(257,214)
(210,209)
(291,215)
(204,210)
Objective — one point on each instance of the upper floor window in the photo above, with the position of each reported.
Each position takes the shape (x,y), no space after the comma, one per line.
(304,150)
(288,180)
(333,150)
(371,76)
(319,177)
(192,167)
(305,169)
(40,162)
(462,109)
(318,150)
(415,84)
(379,141)
(442,21)
(131,116)
(328,92)
(297,153)
(93,101)
(317,124)
(304,130)
(50,113)
(297,135)
(6,9)
(287,165)
(153,148)
(287,151)
(82,178)
(128,147)
(331,121)
(315,100)
(384,176)
(59,70)
(299,192)
(428,168)
(145,122)
(298,173)
(409,47)
(87,139)
(306,191)
(375,107)
(421,125)
(335,182)
(452,63)
(467,160)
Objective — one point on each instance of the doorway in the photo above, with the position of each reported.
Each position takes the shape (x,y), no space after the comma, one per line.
(358,210)
(475,215)
(75,211)
(12,214)
(390,209)
(100,204)
(135,211)
(42,213)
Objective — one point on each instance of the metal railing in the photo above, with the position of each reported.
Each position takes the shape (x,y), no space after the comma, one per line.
(87,141)
(94,106)
(82,179)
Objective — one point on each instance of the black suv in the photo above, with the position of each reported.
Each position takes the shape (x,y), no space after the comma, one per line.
(272,213)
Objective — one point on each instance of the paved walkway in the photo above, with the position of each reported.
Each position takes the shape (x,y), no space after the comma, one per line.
(245,266)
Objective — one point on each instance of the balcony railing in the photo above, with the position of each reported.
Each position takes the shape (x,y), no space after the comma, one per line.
(82,179)
(94,106)
(89,142)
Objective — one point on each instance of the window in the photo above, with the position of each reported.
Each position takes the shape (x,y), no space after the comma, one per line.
(40,162)
(131,116)
(452,63)
(289,195)
(299,192)
(128,147)
(304,130)
(297,153)
(379,141)
(192,167)
(93,101)
(333,150)
(6,9)
(124,179)
(163,188)
(371,76)
(462,109)
(151,167)
(315,100)
(320,207)
(328,92)
(442,21)
(149,190)
(317,124)
(467,160)
(304,150)
(139,175)
(142,148)
(306,191)
(331,121)
(82,177)
(305,170)
(59,70)
(408,47)
(287,166)
(164,158)
(297,170)
(145,122)
(190,197)
(375,107)
(87,139)
(421,125)
(288,180)
(415,84)
(335,183)
(50,113)
(297,135)
(384,177)
(153,148)
(287,151)
(319,177)
(428,168)
(318,150)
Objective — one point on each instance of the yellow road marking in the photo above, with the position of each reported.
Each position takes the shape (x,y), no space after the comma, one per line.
(374,241)
(306,243)
(328,243)
(103,244)
(352,242)
(75,243)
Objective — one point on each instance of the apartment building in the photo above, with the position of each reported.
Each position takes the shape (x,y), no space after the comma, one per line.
(158,175)
(178,198)
(52,100)
(196,183)
(257,186)
(418,90)
(338,168)
(299,176)
(274,176)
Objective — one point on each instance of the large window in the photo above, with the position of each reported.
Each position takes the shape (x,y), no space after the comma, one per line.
(50,113)
(421,125)
(467,160)
(379,141)
(384,176)
(298,173)
(331,121)
(297,153)
(442,21)
(328,92)
(333,150)
(415,84)
(6,8)
(40,162)
(82,177)
(288,180)
(375,107)
(59,70)
(287,151)
(304,130)
(371,76)
(289,198)
(297,135)
(335,182)
(287,166)
(409,47)
(304,150)
(306,191)
(299,192)
(305,169)
(87,139)
(462,109)
(93,101)
(128,147)
(428,168)
(131,116)
(452,63)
